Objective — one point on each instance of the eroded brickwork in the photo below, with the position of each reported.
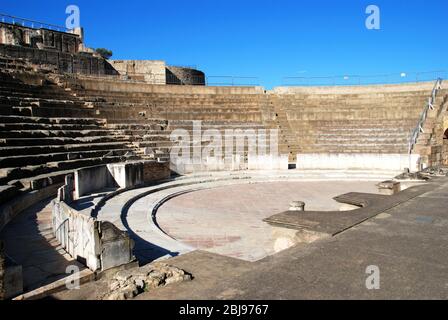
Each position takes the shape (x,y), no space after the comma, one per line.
(156,171)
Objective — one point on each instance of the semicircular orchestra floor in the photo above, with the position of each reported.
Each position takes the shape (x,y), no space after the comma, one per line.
(228,220)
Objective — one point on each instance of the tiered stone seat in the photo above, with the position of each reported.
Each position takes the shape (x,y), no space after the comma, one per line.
(369,122)
(39,148)
(45,130)
(156,137)
(126,103)
(175,106)
(371,119)
(40,100)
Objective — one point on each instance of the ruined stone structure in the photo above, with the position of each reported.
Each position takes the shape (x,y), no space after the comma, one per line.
(60,122)
(66,123)
(65,52)
(62,52)
(45,39)
(150,71)
(184,76)
(157,72)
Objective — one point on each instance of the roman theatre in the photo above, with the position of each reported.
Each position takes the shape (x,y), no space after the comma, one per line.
(93,176)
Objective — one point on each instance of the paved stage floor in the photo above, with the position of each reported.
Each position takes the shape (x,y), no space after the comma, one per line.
(229,220)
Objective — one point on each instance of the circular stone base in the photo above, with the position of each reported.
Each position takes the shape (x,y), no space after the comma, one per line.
(229,220)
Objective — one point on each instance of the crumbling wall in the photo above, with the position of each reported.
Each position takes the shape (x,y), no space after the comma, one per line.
(18,35)
(81,63)
(150,71)
(154,171)
(184,76)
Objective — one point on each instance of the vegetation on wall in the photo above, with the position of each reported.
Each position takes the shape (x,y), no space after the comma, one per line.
(105,53)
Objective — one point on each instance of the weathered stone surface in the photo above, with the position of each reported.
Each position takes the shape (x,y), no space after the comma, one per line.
(389,187)
(297,206)
(99,243)
(2,271)
(127,284)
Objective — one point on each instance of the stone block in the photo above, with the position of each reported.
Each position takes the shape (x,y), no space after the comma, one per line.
(297,206)
(92,179)
(155,170)
(389,187)
(116,246)
(126,175)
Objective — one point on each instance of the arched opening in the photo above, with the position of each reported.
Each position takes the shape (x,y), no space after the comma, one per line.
(445,135)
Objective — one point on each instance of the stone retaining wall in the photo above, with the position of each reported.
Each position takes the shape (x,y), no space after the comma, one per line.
(97,244)
(83,63)
(360,161)
(380,88)
(118,175)
(150,71)
(89,180)
(129,87)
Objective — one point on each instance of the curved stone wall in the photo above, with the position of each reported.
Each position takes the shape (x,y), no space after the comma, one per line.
(184,76)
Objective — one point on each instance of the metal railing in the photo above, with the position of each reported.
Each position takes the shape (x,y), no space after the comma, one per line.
(424,115)
(232,81)
(5,18)
(160,79)
(354,80)
(184,66)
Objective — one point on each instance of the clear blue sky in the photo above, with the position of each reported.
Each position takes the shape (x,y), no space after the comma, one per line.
(270,39)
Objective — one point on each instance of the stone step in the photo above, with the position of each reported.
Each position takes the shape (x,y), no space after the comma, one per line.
(52,120)
(38,159)
(61,112)
(59,141)
(8,174)
(372,141)
(48,102)
(42,126)
(34,134)
(15,111)
(48,149)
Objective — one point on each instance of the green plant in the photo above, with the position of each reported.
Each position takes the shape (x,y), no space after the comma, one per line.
(105,53)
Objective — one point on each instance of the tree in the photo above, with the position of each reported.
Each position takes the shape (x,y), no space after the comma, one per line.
(105,53)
